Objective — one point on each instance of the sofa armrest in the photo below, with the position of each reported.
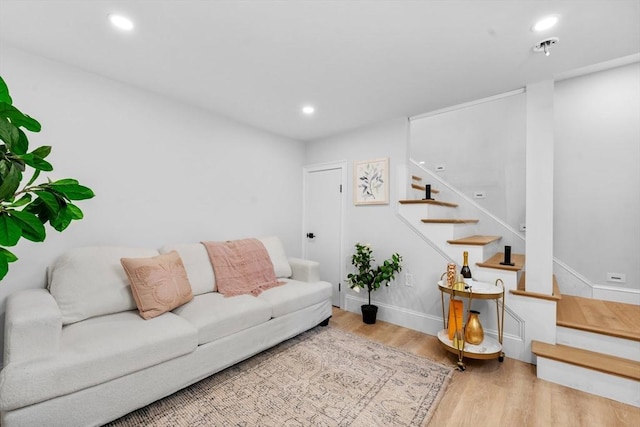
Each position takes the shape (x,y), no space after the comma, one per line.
(33,325)
(304,270)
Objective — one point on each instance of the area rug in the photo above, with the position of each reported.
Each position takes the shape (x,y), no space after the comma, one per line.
(323,377)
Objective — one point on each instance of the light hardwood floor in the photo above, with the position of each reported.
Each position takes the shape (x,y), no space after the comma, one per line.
(494,394)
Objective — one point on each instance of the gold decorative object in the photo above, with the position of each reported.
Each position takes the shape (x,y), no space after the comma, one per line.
(473,332)
(458,339)
(451,274)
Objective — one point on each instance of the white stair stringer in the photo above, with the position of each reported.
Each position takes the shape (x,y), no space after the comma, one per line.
(600,343)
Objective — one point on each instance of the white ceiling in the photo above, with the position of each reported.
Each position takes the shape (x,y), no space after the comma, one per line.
(358,62)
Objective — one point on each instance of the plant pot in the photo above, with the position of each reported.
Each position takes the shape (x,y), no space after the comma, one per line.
(369,312)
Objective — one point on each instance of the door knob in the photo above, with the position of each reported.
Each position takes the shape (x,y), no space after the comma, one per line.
(311,235)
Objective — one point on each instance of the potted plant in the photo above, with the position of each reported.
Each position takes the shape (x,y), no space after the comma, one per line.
(371,278)
(25,208)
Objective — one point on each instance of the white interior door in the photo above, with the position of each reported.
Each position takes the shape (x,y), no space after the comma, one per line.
(323,222)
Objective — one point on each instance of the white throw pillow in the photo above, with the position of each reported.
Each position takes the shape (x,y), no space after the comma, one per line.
(88,282)
(196,261)
(278,256)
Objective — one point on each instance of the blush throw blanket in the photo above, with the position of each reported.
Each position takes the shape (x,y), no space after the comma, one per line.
(241,267)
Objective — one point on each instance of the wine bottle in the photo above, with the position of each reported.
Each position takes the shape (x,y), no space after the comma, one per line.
(465,270)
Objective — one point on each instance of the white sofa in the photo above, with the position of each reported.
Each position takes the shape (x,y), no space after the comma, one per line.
(79,354)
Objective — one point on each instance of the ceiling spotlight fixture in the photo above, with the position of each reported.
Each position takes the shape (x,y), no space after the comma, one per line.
(121,22)
(545,23)
(308,110)
(545,44)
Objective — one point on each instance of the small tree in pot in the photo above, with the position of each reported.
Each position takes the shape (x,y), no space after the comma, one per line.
(371,278)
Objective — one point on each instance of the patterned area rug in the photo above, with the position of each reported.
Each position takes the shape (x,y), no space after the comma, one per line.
(323,377)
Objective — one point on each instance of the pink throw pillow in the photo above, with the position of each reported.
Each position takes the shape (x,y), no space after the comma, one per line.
(159,284)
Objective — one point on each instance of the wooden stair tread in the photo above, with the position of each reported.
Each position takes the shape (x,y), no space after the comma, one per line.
(416,178)
(421,187)
(428,202)
(494,262)
(610,318)
(588,359)
(475,240)
(448,221)
(522,290)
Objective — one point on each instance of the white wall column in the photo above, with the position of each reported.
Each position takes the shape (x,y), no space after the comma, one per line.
(539,187)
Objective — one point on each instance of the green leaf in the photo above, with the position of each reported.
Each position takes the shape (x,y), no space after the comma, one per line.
(50,200)
(42,152)
(61,220)
(10,231)
(9,256)
(36,162)
(32,228)
(4,92)
(73,191)
(22,144)
(74,211)
(36,173)
(10,180)
(8,133)
(4,267)
(18,118)
(5,258)
(21,201)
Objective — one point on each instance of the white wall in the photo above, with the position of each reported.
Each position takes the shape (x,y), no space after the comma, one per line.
(162,171)
(482,146)
(597,174)
(419,306)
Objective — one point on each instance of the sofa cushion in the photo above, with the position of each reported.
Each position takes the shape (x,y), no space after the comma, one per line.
(196,262)
(216,316)
(278,256)
(295,295)
(95,351)
(159,284)
(90,281)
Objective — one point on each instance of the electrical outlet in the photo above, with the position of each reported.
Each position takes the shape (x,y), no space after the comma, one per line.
(478,195)
(617,277)
(408,279)
(523,227)
(440,168)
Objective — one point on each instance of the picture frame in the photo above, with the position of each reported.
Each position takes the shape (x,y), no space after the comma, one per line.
(371,182)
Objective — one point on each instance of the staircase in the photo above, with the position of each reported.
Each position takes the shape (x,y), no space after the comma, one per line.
(597,349)
(594,352)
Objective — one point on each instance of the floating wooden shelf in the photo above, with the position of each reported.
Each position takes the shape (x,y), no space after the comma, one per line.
(475,240)
(421,187)
(428,202)
(494,262)
(448,221)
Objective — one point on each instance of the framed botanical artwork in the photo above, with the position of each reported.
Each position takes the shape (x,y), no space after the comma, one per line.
(371,182)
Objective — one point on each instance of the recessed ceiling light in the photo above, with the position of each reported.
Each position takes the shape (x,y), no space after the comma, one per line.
(308,110)
(545,23)
(121,22)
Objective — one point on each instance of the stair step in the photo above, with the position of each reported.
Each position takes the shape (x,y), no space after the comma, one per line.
(494,262)
(421,187)
(448,221)
(428,202)
(476,240)
(522,290)
(416,178)
(588,359)
(602,317)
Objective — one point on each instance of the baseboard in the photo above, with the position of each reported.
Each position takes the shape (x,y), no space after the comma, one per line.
(616,294)
(513,345)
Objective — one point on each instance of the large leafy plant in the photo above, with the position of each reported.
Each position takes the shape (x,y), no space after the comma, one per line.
(371,277)
(25,209)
